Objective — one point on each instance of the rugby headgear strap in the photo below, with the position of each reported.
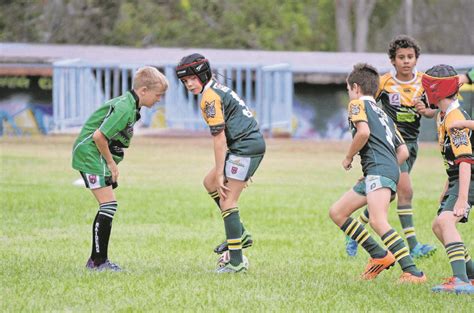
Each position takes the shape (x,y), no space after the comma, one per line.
(195,64)
(440,81)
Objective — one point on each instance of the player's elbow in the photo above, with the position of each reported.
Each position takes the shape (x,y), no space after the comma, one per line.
(363,133)
(402,154)
(98,136)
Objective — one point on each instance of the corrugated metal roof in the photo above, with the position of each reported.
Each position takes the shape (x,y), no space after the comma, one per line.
(300,62)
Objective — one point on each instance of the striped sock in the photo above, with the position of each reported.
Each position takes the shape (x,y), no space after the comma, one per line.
(357,232)
(215,196)
(233,231)
(469,264)
(456,255)
(395,244)
(364,217)
(405,214)
(101,229)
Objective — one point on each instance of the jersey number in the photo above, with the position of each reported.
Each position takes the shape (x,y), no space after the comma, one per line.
(383,118)
(245,109)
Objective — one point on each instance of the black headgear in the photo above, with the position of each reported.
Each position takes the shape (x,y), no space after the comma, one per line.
(194,64)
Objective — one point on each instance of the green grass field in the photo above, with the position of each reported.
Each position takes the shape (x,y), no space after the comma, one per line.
(167,226)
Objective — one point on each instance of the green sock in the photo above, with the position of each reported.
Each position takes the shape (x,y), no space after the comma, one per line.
(395,244)
(405,214)
(215,196)
(455,252)
(357,232)
(469,264)
(364,217)
(233,231)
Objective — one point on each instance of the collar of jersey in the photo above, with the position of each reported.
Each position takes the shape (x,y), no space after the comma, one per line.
(208,85)
(393,72)
(370,98)
(135,97)
(453,106)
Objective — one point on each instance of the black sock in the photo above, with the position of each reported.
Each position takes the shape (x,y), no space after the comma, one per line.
(101,231)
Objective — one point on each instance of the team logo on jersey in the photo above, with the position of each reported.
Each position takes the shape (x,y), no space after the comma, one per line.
(459,138)
(355,109)
(92,179)
(210,109)
(234,169)
(394,99)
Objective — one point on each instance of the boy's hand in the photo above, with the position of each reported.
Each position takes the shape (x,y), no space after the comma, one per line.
(460,208)
(459,124)
(420,106)
(347,163)
(113,170)
(221,187)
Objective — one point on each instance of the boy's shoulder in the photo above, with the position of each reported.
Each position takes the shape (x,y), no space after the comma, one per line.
(125,101)
(215,91)
(385,78)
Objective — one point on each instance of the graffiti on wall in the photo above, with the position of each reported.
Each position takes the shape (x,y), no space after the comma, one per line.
(25,105)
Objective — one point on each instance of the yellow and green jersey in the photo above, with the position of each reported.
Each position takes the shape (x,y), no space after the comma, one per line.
(115,119)
(378,156)
(455,144)
(397,98)
(224,110)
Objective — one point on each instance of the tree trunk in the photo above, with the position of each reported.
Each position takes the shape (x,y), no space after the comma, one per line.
(343,25)
(364,9)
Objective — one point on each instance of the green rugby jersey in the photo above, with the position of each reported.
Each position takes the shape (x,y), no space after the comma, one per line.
(115,119)
(397,99)
(223,110)
(378,156)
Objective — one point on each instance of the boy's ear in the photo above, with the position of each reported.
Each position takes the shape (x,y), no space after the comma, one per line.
(142,90)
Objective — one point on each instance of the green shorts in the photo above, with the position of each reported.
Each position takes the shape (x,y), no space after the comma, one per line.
(450,198)
(94,181)
(373,182)
(241,167)
(413,152)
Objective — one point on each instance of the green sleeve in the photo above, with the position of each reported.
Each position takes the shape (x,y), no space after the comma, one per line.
(115,122)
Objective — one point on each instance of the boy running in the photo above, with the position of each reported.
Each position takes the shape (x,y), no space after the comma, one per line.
(441,84)
(402,98)
(374,139)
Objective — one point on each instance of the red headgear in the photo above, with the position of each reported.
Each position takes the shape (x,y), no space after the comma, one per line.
(439,82)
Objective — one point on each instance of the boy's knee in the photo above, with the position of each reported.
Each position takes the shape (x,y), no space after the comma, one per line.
(443,221)
(435,226)
(336,215)
(207,183)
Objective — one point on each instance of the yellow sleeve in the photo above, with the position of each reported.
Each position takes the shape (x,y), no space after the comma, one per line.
(382,80)
(460,141)
(211,109)
(357,112)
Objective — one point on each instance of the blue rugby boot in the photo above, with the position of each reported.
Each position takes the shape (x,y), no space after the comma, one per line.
(454,285)
(422,251)
(351,246)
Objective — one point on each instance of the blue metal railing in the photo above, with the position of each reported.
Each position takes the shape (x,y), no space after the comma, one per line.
(80,87)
